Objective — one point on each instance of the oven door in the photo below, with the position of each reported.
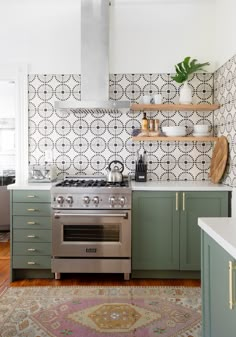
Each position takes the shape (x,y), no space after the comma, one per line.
(93,233)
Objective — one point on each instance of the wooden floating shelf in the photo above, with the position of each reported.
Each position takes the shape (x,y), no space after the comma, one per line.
(176,139)
(173,107)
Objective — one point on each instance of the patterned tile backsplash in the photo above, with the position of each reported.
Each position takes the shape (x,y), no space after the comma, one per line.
(84,143)
(225,117)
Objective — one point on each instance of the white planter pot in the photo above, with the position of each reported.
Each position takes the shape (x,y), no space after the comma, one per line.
(185,94)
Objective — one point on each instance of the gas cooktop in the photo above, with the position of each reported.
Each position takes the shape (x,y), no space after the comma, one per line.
(91,183)
(91,192)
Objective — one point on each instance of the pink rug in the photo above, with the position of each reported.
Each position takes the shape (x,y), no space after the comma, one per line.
(100,312)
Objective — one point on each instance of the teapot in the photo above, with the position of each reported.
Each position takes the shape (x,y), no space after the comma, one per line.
(114,174)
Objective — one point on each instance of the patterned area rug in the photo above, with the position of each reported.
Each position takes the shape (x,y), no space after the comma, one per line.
(100,312)
(4,236)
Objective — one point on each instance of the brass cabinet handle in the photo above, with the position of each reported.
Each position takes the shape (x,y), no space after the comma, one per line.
(31,249)
(232,267)
(31,209)
(31,262)
(31,236)
(31,223)
(176,201)
(183,201)
(30,196)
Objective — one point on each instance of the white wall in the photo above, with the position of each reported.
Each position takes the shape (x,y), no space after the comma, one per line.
(146,36)
(225,31)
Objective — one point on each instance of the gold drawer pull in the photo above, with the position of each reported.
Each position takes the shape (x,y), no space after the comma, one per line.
(31,249)
(176,201)
(31,196)
(232,267)
(32,209)
(183,201)
(31,236)
(31,223)
(31,262)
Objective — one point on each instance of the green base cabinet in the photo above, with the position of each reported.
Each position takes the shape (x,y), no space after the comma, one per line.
(196,205)
(217,318)
(155,233)
(165,234)
(31,234)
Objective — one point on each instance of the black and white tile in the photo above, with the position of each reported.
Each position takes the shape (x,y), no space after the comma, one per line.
(225,117)
(84,143)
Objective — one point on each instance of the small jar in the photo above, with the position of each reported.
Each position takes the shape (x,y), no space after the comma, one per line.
(151,125)
(156,125)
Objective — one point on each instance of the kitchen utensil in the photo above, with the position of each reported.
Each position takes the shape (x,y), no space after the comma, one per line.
(115,174)
(141,169)
(219,159)
(42,173)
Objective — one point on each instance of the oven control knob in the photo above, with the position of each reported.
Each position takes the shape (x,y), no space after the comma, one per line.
(96,200)
(86,200)
(112,201)
(60,199)
(122,201)
(69,199)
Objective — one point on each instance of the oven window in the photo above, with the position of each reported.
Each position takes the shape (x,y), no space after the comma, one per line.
(92,233)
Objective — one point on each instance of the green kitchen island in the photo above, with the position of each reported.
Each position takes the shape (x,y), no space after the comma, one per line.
(218,252)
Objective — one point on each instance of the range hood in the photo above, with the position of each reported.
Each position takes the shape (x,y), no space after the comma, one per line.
(94,60)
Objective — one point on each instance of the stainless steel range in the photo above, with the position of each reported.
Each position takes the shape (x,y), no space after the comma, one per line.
(91,227)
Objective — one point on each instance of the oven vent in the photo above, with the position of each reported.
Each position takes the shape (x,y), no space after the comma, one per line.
(94,60)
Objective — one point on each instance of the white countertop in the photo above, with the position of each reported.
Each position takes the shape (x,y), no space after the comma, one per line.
(138,186)
(31,186)
(178,186)
(222,230)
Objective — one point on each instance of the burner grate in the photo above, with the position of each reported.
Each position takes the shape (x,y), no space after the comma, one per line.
(92,183)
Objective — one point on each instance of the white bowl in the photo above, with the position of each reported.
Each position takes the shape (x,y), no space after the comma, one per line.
(201,128)
(174,131)
(174,128)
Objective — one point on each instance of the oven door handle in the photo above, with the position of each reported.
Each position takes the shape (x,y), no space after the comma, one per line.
(117,215)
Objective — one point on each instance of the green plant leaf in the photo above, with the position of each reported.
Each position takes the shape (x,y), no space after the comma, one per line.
(186,67)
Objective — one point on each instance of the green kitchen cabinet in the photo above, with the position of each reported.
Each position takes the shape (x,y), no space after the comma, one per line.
(193,206)
(31,234)
(165,233)
(155,233)
(218,319)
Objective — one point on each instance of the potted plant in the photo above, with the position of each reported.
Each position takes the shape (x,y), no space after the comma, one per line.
(183,70)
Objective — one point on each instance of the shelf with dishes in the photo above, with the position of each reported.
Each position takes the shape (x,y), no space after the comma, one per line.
(173,107)
(176,138)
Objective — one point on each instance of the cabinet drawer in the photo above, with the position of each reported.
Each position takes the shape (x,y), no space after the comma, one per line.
(24,235)
(31,222)
(31,209)
(22,248)
(31,262)
(31,196)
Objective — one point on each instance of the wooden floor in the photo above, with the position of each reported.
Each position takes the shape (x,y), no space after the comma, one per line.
(81,279)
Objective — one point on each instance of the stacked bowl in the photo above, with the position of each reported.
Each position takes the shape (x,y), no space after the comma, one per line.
(174,131)
(201,130)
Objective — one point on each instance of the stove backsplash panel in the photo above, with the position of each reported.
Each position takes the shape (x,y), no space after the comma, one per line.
(84,143)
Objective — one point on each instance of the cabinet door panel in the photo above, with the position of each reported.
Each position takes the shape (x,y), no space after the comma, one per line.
(218,319)
(41,209)
(31,262)
(31,196)
(197,204)
(155,228)
(34,235)
(31,222)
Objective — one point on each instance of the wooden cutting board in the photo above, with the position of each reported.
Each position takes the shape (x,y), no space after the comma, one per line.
(219,159)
